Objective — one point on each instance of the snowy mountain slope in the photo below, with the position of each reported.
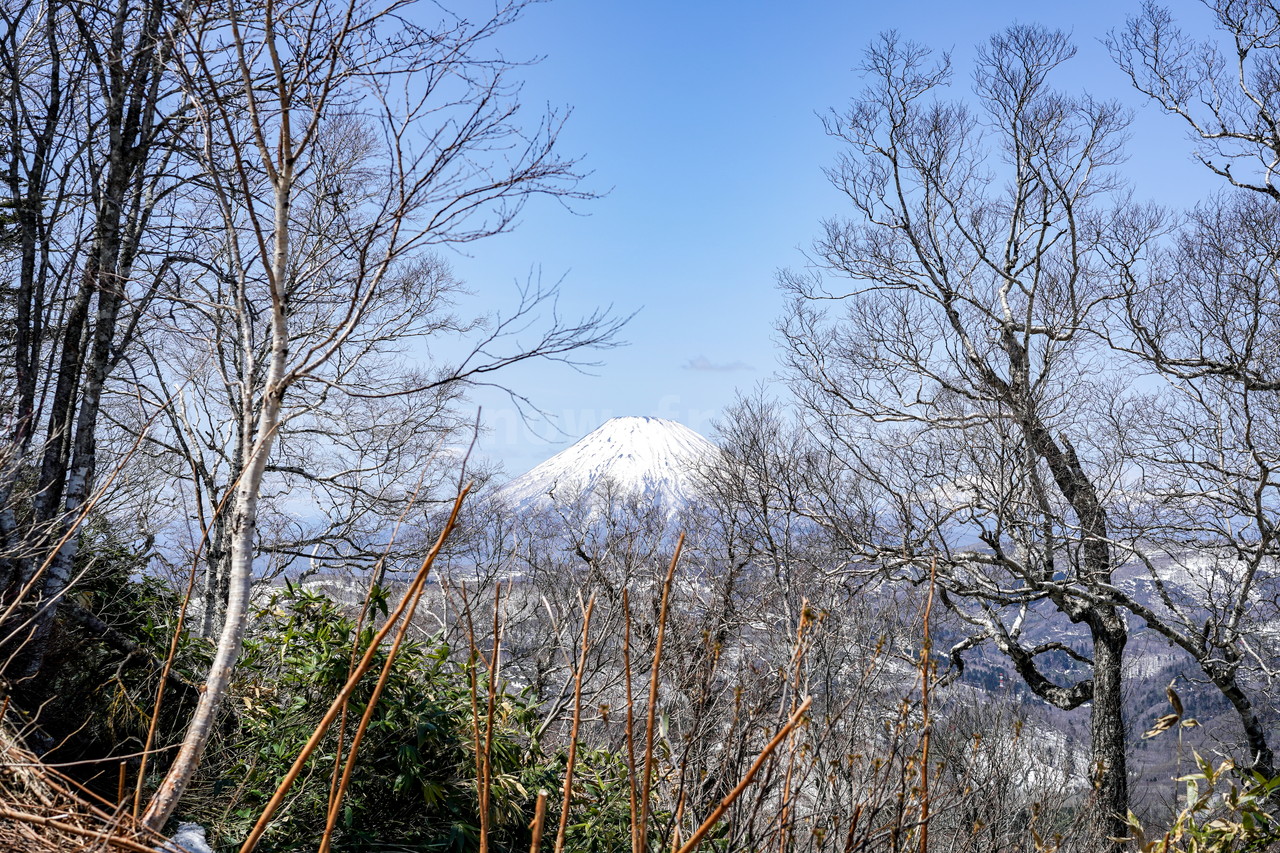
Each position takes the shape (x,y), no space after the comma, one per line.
(652,458)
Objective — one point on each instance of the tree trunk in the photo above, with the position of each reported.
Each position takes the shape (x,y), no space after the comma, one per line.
(80,476)
(1108,766)
(257,444)
(89,348)
(216,584)
(230,642)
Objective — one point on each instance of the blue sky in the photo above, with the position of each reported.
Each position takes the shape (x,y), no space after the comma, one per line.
(699,120)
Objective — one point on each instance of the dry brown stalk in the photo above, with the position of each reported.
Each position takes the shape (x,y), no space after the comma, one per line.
(52,778)
(494,667)
(711,651)
(339,749)
(733,795)
(473,660)
(411,594)
(647,781)
(52,781)
(387,665)
(675,824)
(925,674)
(71,828)
(375,579)
(539,819)
(797,661)
(631,708)
(853,828)
(577,719)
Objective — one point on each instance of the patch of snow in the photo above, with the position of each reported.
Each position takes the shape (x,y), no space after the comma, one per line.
(189,838)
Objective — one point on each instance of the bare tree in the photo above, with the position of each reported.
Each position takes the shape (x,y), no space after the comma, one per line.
(960,386)
(1229,98)
(339,142)
(1201,315)
(90,117)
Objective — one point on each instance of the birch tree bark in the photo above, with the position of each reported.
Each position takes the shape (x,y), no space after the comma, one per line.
(341,141)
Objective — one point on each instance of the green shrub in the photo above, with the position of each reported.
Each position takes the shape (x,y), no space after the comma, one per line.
(94,699)
(414,786)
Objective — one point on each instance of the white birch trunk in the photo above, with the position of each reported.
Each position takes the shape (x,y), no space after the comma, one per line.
(244,525)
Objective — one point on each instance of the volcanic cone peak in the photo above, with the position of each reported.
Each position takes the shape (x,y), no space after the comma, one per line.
(652,458)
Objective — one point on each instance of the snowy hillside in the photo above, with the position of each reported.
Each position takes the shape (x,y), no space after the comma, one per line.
(653,458)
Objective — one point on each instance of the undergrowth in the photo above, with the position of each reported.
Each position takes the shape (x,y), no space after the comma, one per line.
(416,776)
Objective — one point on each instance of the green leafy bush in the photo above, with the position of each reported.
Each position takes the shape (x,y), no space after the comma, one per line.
(96,692)
(414,786)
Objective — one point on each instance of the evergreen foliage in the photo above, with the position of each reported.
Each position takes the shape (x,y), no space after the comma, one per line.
(414,787)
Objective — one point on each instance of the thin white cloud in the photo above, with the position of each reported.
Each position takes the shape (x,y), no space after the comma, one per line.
(704,363)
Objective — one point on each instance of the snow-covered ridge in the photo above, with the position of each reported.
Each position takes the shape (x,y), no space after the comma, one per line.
(653,458)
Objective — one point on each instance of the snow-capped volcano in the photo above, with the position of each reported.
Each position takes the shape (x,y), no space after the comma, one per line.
(654,458)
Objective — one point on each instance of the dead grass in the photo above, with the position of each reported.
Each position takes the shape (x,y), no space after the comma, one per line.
(42,810)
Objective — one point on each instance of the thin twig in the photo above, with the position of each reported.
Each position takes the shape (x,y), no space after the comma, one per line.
(494,668)
(797,661)
(631,709)
(646,782)
(729,798)
(85,761)
(573,732)
(925,665)
(63,826)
